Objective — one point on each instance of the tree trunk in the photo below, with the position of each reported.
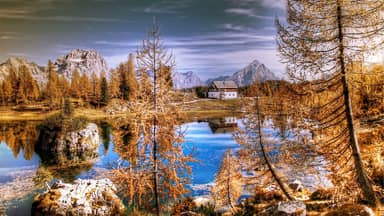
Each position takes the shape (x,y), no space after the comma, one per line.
(362,179)
(265,156)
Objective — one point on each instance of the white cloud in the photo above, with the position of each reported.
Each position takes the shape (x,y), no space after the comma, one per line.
(280,4)
(247,12)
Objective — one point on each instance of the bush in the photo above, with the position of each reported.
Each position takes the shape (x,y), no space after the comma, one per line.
(349,210)
(184,206)
(262,196)
(321,194)
(62,122)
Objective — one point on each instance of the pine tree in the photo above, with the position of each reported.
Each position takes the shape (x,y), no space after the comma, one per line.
(321,38)
(104,91)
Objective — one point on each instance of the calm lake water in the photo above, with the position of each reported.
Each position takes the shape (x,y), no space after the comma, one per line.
(22,175)
(19,163)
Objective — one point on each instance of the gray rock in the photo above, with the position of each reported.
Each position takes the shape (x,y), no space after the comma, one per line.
(186,80)
(85,61)
(14,63)
(83,197)
(255,71)
(288,208)
(58,147)
(296,186)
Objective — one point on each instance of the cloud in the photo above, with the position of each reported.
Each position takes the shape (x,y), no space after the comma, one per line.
(57,18)
(247,12)
(279,4)
(167,7)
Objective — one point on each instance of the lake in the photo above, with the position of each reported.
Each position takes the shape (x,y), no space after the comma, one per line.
(22,174)
(19,163)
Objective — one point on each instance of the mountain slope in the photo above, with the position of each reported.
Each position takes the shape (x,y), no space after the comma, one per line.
(249,74)
(85,61)
(255,71)
(14,63)
(186,80)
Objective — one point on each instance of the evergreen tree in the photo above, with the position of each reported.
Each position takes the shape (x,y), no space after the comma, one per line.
(104,91)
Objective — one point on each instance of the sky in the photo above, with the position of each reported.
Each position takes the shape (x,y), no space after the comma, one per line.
(210,37)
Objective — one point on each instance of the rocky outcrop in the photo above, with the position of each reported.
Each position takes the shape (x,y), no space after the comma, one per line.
(83,197)
(289,208)
(14,63)
(186,80)
(60,147)
(85,61)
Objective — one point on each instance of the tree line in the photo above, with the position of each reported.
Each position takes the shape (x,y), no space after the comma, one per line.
(20,88)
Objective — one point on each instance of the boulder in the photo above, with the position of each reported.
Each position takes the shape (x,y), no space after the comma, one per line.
(60,148)
(83,197)
(288,208)
(351,209)
(296,186)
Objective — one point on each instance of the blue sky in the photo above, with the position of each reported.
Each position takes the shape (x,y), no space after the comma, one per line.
(209,37)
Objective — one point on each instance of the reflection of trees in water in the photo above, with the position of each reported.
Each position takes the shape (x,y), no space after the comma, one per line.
(134,173)
(105,135)
(20,136)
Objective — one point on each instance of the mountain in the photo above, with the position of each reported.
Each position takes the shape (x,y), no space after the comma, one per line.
(14,63)
(85,61)
(249,74)
(186,80)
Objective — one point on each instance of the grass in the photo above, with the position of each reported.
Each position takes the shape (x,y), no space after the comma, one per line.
(202,108)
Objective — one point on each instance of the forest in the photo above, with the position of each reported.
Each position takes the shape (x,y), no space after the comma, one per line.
(325,119)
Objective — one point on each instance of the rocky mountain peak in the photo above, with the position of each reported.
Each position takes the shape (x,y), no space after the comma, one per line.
(255,71)
(186,80)
(14,63)
(85,61)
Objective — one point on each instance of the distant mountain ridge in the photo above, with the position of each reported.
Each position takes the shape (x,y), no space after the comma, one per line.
(248,75)
(186,80)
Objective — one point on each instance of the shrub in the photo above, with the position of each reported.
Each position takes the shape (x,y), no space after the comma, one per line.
(321,194)
(262,196)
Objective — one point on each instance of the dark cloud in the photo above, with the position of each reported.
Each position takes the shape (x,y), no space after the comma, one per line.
(214,37)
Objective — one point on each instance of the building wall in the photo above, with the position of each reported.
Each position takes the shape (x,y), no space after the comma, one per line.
(222,95)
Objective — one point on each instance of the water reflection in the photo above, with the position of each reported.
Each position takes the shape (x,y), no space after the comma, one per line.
(20,137)
(223,125)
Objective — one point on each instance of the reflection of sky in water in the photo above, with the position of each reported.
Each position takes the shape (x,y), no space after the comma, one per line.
(208,150)
(10,165)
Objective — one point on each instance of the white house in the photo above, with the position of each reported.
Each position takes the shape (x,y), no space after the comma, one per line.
(223,90)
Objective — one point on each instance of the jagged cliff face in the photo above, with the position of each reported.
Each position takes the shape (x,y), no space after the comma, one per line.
(253,72)
(85,61)
(186,80)
(14,63)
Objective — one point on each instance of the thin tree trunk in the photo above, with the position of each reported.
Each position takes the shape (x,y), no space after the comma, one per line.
(265,156)
(362,179)
(228,180)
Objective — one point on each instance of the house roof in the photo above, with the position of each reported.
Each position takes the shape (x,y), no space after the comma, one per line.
(224,84)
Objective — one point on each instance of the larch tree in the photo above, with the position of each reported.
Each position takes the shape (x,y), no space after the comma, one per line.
(104,90)
(257,153)
(160,165)
(85,88)
(52,91)
(318,41)
(228,182)
(114,84)
(75,84)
